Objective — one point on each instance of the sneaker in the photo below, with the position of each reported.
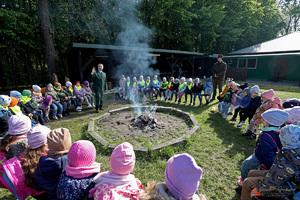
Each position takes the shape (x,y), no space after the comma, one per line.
(60,115)
(78,108)
(184,101)
(175,100)
(248,133)
(55,117)
(230,113)
(241,124)
(224,116)
(93,105)
(161,98)
(232,119)
(169,99)
(190,104)
(89,106)
(194,104)
(251,137)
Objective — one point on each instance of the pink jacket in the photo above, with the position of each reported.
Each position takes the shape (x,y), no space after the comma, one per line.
(13,179)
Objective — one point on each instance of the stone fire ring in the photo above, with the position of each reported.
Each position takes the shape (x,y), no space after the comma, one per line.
(175,141)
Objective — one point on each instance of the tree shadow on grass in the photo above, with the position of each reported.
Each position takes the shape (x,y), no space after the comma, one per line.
(231,136)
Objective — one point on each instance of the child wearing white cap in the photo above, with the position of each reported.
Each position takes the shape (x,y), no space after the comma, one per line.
(163,88)
(181,89)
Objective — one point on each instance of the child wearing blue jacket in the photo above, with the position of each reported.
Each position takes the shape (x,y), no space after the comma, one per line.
(244,103)
(155,86)
(268,143)
(52,165)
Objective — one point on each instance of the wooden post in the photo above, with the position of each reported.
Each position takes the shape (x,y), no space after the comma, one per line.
(80,65)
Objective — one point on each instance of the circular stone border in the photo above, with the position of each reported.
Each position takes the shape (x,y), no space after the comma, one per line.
(175,141)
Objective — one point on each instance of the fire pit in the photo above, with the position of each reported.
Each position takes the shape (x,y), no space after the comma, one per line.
(146,127)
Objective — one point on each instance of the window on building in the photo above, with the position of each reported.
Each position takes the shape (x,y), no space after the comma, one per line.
(242,62)
(251,63)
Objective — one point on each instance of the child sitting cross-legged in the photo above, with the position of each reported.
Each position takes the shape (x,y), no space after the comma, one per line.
(118,183)
(182,176)
(77,180)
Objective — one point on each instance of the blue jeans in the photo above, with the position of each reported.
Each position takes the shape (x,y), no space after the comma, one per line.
(226,108)
(199,96)
(55,107)
(75,102)
(250,163)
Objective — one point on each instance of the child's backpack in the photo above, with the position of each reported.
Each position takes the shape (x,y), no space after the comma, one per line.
(13,179)
(290,103)
(208,91)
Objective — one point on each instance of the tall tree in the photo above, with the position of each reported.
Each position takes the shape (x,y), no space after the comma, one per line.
(48,32)
(290,15)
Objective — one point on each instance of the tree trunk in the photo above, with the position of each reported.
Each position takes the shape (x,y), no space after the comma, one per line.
(44,18)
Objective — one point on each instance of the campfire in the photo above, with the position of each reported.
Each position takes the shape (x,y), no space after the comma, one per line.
(143,121)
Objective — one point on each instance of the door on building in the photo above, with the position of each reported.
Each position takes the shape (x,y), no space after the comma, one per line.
(280,69)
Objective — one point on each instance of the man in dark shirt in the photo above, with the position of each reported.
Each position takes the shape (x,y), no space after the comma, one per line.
(218,72)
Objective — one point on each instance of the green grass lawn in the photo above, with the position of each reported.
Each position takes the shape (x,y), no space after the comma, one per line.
(219,148)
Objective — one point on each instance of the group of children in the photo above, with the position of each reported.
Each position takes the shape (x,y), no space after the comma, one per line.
(45,164)
(273,170)
(36,104)
(166,90)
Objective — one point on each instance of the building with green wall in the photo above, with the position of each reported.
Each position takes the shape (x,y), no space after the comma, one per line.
(277,59)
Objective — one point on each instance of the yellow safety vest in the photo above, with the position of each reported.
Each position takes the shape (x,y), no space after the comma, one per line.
(190,86)
(170,84)
(180,86)
(78,87)
(128,83)
(134,84)
(142,83)
(147,83)
(154,81)
(38,94)
(71,89)
(25,99)
(164,85)
(16,110)
(5,108)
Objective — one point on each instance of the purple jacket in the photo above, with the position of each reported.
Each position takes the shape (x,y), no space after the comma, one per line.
(80,92)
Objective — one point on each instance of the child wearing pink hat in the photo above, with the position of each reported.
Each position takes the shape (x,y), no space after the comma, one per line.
(182,178)
(118,183)
(15,142)
(267,103)
(79,174)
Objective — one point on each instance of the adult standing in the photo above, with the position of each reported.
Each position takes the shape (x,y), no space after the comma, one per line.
(218,71)
(99,85)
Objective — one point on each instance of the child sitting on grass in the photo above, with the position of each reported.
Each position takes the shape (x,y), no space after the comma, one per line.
(118,183)
(79,174)
(268,142)
(182,176)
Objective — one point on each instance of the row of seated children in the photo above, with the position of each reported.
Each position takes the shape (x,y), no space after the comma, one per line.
(37,105)
(272,171)
(165,90)
(45,164)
